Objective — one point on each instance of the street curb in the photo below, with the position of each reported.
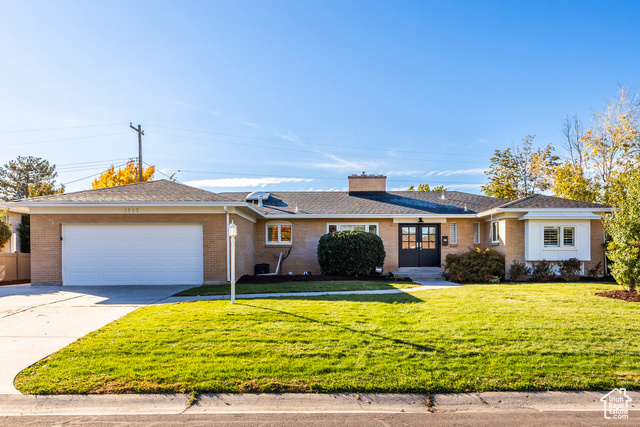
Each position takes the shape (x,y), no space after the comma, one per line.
(141,404)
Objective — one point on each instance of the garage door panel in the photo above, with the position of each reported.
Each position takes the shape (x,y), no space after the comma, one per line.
(132,254)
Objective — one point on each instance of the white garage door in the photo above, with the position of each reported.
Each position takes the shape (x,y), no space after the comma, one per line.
(132,254)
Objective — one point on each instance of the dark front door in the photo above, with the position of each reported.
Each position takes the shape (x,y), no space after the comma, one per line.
(419,245)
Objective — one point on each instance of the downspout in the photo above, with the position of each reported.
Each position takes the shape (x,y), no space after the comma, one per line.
(226,226)
(604,245)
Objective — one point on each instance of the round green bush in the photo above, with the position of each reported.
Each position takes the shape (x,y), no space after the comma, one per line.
(479,265)
(350,253)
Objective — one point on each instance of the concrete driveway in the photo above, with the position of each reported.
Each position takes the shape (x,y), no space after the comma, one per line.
(36,321)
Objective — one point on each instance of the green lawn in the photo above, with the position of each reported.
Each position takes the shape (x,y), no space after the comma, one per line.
(472,338)
(320,286)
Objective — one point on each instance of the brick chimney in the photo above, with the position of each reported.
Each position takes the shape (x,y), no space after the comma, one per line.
(367,185)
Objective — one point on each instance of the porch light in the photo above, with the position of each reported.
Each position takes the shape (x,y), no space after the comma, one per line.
(233,232)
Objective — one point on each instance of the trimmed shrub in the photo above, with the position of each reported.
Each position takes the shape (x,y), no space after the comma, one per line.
(595,271)
(570,270)
(350,253)
(479,265)
(542,272)
(519,272)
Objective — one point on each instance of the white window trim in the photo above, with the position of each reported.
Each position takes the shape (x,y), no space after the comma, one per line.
(476,224)
(366,224)
(493,237)
(453,233)
(561,244)
(279,224)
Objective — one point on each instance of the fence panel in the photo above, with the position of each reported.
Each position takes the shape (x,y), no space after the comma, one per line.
(15,266)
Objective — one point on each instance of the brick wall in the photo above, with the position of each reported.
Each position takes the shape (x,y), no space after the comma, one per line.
(367,183)
(245,246)
(597,249)
(465,236)
(46,246)
(513,241)
(305,236)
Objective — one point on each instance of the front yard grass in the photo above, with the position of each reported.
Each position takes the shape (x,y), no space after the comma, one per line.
(321,286)
(464,339)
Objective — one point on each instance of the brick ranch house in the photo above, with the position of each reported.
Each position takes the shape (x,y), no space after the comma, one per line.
(162,232)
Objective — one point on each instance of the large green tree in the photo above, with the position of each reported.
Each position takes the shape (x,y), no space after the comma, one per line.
(623,228)
(26,175)
(521,170)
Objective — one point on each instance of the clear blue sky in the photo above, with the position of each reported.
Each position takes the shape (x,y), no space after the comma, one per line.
(296,95)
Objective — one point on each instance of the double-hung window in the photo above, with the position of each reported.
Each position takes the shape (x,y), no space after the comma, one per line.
(369,227)
(453,233)
(559,237)
(495,232)
(279,234)
(476,233)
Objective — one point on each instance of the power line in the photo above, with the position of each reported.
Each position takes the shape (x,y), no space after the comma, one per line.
(90,176)
(62,140)
(60,128)
(162,173)
(97,161)
(318,144)
(313,152)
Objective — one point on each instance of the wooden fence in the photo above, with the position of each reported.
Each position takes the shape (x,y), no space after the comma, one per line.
(15,266)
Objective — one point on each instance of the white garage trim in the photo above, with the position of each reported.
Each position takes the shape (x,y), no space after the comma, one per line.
(132,254)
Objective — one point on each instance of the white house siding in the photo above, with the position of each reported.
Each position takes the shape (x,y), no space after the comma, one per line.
(534,240)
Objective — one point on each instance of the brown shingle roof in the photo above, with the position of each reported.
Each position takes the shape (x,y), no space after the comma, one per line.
(393,203)
(161,191)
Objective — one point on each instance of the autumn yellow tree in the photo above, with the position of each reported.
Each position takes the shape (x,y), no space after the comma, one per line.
(125,175)
(44,189)
(613,142)
(425,187)
(599,159)
(570,182)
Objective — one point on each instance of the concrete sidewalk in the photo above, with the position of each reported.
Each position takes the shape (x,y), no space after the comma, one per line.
(11,405)
(425,286)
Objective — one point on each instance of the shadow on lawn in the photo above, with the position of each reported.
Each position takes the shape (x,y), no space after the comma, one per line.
(388,298)
(415,346)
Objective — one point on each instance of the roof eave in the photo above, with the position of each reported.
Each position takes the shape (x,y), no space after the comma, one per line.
(18,205)
(366,216)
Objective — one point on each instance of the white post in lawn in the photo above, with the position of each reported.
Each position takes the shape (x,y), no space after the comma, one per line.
(233,232)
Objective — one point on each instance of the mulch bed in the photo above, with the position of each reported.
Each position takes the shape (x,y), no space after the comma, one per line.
(13,282)
(623,295)
(315,278)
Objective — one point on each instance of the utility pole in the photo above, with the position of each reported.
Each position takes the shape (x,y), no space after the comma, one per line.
(140,133)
